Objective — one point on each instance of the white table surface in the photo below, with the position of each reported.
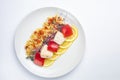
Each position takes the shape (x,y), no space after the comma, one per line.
(100,20)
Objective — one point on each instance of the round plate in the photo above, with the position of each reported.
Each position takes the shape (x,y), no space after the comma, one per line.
(67,62)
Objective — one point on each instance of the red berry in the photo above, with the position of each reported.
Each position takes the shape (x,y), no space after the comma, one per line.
(38,60)
(67,30)
(52,46)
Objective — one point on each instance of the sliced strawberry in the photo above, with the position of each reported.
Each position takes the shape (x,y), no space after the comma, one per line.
(67,30)
(38,60)
(52,46)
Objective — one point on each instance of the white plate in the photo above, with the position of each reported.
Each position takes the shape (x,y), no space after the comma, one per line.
(67,61)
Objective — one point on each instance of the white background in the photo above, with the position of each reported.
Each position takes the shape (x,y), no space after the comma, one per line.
(101,23)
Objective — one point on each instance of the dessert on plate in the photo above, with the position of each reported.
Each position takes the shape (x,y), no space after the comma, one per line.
(48,43)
